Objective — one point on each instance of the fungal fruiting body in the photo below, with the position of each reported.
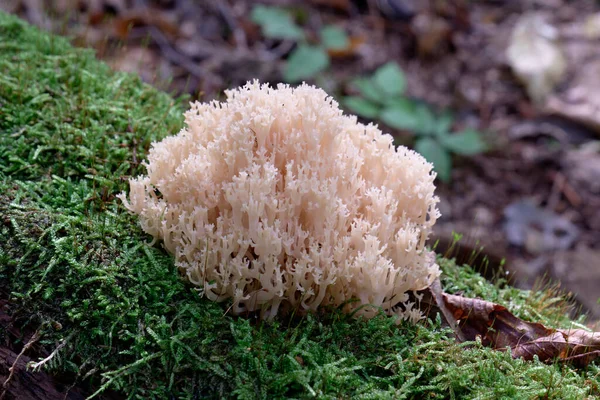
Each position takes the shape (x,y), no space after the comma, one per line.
(278,201)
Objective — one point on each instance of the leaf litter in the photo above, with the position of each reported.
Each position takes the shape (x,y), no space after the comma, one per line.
(492,324)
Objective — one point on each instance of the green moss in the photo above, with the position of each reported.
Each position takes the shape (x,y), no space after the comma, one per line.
(65,114)
(77,267)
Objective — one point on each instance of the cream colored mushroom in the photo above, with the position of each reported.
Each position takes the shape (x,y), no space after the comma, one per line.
(278,201)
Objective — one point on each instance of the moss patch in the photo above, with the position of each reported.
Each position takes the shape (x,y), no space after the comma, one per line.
(77,267)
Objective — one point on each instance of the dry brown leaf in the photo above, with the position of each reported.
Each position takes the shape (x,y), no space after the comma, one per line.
(581,101)
(340,5)
(144,17)
(433,34)
(354,44)
(574,345)
(500,329)
(535,56)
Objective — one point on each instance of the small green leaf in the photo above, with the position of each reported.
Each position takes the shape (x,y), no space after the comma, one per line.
(426,124)
(334,38)
(305,62)
(368,89)
(443,123)
(466,143)
(276,23)
(400,114)
(390,79)
(436,154)
(361,106)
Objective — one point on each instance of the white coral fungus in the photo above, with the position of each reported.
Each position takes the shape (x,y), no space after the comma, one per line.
(278,201)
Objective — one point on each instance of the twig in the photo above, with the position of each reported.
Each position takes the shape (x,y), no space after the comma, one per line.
(282,49)
(39,364)
(36,336)
(565,187)
(174,56)
(238,34)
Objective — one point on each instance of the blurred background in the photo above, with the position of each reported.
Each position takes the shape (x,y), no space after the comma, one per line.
(503,97)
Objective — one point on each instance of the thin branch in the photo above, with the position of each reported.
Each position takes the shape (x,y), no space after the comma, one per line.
(38,365)
(174,56)
(36,336)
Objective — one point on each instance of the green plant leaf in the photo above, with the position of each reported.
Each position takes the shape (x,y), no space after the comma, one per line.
(361,106)
(466,143)
(443,123)
(390,79)
(276,23)
(406,114)
(334,38)
(368,89)
(305,62)
(437,155)
(426,120)
(401,114)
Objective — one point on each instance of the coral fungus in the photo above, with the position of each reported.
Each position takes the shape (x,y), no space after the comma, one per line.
(278,201)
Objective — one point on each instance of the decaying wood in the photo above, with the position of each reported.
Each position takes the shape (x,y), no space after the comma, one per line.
(26,385)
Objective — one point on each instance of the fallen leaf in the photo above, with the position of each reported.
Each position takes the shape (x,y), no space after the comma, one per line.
(340,5)
(535,56)
(581,100)
(582,167)
(144,17)
(352,49)
(536,229)
(500,329)
(433,35)
(591,26)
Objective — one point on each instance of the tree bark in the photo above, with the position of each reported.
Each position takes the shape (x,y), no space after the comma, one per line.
(28,385)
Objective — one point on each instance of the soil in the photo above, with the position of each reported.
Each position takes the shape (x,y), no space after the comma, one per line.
(532,201)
